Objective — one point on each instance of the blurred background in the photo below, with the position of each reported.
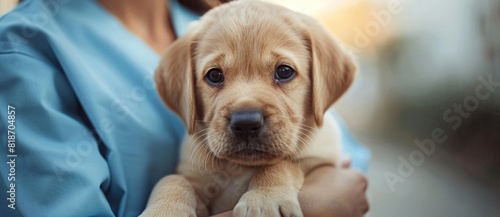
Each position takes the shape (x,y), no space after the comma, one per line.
(426,101)
(427,79)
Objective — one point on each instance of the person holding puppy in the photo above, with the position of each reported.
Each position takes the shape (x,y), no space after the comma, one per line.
(92,135)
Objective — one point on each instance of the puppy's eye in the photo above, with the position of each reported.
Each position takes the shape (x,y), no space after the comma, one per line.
(284,73)
(215,77)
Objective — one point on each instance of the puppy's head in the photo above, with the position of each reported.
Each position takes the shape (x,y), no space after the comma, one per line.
(252,78)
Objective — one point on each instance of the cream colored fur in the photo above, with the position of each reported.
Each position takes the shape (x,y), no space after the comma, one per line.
(247,40)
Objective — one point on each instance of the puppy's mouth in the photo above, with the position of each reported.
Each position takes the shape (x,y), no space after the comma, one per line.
(251,155)
(251,142)
(249,152)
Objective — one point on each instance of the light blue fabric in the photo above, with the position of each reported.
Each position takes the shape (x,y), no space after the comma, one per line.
(360,155)
(92,135)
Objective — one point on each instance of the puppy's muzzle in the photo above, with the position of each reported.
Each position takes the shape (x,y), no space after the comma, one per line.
(246,124)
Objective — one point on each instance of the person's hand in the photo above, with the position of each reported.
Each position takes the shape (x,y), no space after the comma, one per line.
(335,192)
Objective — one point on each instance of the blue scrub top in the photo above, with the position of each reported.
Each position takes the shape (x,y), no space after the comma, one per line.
(92,136)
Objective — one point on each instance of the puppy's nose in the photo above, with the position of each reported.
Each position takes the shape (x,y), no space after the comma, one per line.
(246,123)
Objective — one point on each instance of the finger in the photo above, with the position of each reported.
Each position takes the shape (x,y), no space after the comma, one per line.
(345,162)
(363,208)
(366,207)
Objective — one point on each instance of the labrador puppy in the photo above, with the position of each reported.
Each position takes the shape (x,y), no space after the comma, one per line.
(252,82)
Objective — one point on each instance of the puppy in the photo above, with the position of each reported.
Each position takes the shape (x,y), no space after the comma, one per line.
(252,82)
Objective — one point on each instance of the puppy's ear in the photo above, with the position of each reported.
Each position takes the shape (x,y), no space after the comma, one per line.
(175,79)
(332,67)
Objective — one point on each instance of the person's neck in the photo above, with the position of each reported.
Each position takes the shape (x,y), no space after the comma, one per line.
(148,19)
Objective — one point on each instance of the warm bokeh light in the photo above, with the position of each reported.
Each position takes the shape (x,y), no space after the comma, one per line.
(349,20)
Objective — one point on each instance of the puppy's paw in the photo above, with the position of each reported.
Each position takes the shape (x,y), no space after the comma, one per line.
(267,204)
(168,211)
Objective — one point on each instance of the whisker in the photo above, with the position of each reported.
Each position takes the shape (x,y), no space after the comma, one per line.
(202,121)
(198,147)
